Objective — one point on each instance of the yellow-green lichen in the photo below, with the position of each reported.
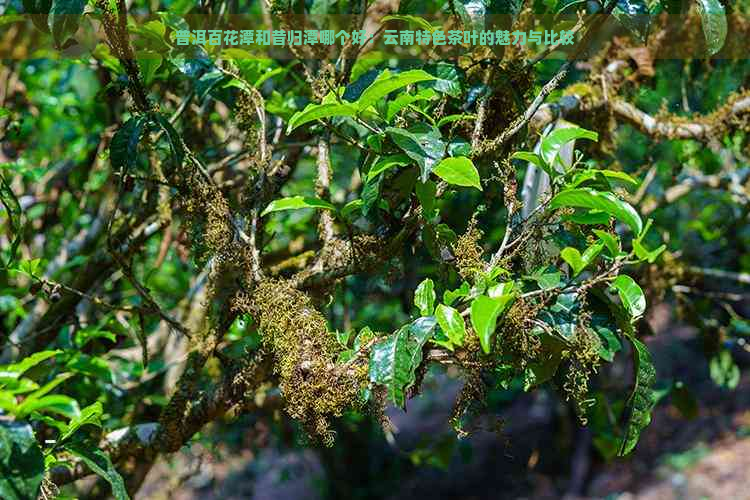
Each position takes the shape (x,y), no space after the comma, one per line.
(468,251)
(516,340)
(313,386)
(208,217)
(583,361)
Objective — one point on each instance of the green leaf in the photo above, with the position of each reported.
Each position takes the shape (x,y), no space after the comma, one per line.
(103,53)
(63,19)
(370,194)
(92,366)
(8,402)
(351,208)
(501,289)
(630,294)
(154,31)
(149,63)
(740,326)
(319,112)
(592,174)
(562,316)
(343,338)
(17,386)
(441,339)
(579,262)
(426,192)
(424,145)
(555,140)
(455,118)
(385,163)
(450,296)
(539,372)
(484,314)
(39,11)
(641,251)
(634,16)
(49,386)
(610,241)
(232,83)
(388,82)
(532,158)
(458,171)
(589,217)
(420,331)
(642,399)
(21,462)
(573,257)
(644,253)
(209,80)
(393,360)
(89,333)
(406,100)
(364,336)
(55,403)
(123,150)
(30,266)
(390,364)
(176,145)
(296,202)
(319,10)
(363,74)
(13,214)
(536,160)
(345,356)
(606,202)
(609,342)
(98,461)
(449,78)
(724,372)
(544,368)
(17,369)
(91,415)
(452,324)
(714,21)
(414,20)
(424,297)
(546,278)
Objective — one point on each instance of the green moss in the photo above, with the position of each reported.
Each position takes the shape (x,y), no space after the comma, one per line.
(313,386)
(470,401)
(584,361)
(516,342)
(468,251)
(206,213)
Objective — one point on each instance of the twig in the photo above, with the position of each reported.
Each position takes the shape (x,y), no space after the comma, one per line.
(551,48)
(323,187)
(522,120)
(735,297)
(743,278)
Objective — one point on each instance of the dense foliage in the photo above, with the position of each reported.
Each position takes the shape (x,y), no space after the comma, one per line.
(194,233)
